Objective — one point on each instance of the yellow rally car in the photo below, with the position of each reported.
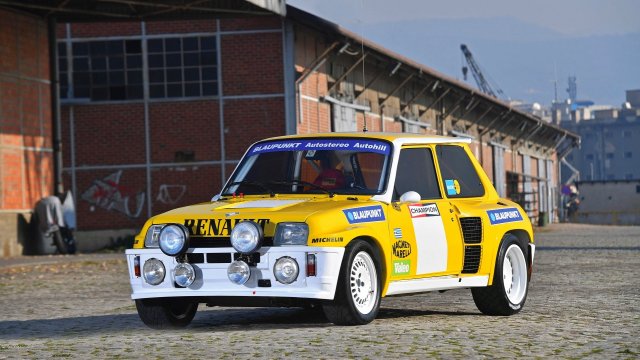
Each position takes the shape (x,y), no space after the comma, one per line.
(337,221)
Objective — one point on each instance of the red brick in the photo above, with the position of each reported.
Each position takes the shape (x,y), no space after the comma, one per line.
(184,127)
(100,204)
(105,29)
(252,64)
(247,121)
(109,134)
(180,27)
(251,23)
(183,185)
(25,108)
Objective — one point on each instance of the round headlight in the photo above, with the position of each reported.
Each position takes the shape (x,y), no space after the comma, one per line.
(238,272)
(153,271)
(184,274)
(246,237)
(173,240)
(286,270)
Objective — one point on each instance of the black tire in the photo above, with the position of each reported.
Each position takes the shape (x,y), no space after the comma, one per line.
(60,243)
(351,304)
(67,245)
(496,299)
(166,313)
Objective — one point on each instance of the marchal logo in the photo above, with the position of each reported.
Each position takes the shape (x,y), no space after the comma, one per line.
(401,249)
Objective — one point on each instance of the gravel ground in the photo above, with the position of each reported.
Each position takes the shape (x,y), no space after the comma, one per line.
(584,302)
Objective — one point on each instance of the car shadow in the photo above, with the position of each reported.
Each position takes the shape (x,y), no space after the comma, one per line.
(249,319)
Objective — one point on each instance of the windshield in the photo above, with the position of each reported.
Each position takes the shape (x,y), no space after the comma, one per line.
(311,166)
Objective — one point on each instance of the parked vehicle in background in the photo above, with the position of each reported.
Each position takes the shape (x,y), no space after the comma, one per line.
(53,223)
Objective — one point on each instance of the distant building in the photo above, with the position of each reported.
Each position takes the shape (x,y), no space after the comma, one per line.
(613,202)
(609,148)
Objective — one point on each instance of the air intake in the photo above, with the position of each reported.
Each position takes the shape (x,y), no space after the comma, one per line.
(472,255)
(471,230)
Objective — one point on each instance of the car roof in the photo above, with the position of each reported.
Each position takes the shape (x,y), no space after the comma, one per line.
(396,138)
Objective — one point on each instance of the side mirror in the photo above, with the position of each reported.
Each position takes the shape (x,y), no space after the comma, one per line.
(410,196)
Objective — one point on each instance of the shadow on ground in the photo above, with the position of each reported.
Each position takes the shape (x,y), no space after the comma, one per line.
(254,319)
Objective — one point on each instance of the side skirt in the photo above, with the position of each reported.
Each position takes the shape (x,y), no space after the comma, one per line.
(436,283)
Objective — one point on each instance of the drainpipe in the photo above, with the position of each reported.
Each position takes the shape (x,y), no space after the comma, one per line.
(58,187)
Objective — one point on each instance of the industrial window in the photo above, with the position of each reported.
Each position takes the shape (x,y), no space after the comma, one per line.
(458,173)
(63,70)
(628,155)
(182,67)
(627,133)
(112,70)
(416,172)
(589,157)
(610,155)
(105,70)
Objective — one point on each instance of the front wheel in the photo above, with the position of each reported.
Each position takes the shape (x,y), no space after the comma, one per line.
(166,313)
(357,298)
(507,294)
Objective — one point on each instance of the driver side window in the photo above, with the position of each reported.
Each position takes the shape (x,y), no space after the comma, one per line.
(416,172)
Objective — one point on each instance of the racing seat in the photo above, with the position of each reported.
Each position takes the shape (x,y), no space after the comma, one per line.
(331,179)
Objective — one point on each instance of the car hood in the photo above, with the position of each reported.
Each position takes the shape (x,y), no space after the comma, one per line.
(217,219)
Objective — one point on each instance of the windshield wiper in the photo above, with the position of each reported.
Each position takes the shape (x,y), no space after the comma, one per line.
(252,183)
(305,183)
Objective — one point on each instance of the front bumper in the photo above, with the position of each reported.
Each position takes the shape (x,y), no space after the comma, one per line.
(211,278)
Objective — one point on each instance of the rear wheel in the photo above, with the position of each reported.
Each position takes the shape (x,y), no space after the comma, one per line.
(166,313)
(357,298)
(64,242)
(507,294)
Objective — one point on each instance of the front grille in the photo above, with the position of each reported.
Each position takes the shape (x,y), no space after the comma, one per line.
(471,230)
(219,258)
(472,255)
(220,242)
(195,258)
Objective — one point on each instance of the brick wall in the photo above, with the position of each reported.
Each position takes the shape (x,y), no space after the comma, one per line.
(26,162)
(26,168)
(115,186)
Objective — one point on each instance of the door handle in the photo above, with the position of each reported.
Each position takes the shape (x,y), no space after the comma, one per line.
(453,209)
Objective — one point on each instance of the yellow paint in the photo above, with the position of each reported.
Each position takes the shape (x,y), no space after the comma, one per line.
(329,226)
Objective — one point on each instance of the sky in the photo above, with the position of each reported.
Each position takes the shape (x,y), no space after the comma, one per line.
(529,48)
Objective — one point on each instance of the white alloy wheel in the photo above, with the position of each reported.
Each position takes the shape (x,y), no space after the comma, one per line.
(514,274)
(363,282)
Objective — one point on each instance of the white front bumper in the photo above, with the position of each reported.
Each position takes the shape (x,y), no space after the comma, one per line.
(211,278)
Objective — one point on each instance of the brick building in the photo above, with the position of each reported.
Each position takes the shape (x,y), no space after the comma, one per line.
(155,114)
(26,151)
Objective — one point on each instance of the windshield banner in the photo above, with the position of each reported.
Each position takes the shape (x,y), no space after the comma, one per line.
(323,144)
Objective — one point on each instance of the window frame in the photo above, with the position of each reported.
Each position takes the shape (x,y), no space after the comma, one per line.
(440,163)
(436,174)
(206,88)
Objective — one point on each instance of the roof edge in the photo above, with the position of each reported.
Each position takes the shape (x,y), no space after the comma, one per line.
(323,25)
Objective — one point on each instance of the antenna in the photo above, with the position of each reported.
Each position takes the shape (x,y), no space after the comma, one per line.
(364,113)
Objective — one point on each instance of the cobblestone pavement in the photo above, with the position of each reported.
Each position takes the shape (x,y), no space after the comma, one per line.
(584,302)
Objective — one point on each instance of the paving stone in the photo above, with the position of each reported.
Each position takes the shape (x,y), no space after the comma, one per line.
(584,302)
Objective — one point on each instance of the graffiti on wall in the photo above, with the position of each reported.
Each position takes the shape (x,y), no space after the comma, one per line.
(170,194)
(108,194)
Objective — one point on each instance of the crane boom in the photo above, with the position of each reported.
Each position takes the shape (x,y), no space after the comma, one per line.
(479,77)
